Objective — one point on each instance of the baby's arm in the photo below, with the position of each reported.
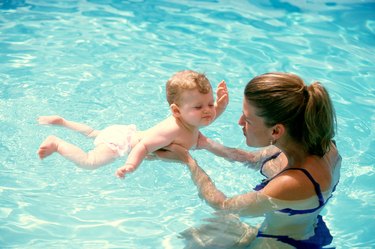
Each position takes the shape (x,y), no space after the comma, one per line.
(154,141)
(252,159)
(135,158)
(231,154)
(57,120)
(222,98)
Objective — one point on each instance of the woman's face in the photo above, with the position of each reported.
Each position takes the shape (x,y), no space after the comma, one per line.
(254,129)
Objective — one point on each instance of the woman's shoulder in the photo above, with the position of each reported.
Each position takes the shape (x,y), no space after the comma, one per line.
(290,185)
(301,182)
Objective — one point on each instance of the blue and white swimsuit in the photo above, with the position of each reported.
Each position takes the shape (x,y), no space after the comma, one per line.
(311,239)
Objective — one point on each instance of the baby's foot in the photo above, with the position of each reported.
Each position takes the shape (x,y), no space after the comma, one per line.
(48,147)
(54,119)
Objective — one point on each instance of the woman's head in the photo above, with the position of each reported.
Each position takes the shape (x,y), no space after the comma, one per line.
(306,112)
(186,80)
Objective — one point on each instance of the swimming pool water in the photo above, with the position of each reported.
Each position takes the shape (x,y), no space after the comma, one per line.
(106,62)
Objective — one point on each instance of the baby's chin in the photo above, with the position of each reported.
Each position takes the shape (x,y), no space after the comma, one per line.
(207,123)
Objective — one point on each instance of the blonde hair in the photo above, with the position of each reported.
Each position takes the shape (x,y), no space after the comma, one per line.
(186,80)
(306,111)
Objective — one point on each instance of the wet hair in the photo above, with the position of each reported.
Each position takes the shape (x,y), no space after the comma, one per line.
(306,111)
(186,80)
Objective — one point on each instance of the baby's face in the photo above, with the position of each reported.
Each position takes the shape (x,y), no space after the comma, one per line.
(197,109)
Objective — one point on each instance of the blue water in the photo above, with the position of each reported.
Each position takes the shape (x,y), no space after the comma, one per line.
(106,62)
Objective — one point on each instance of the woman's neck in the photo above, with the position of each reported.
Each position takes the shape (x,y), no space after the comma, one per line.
(294,152)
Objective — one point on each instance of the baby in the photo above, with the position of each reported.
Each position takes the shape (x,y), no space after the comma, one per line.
(192,105)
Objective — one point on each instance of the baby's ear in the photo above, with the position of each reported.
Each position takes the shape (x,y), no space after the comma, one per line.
(175,110)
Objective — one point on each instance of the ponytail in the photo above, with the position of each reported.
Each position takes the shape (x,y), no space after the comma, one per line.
(320,120)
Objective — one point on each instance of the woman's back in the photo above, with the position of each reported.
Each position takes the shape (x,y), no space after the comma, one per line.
(299,219)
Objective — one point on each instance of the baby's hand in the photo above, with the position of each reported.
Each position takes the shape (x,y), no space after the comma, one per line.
(222,97)
(122,171)
(54,119)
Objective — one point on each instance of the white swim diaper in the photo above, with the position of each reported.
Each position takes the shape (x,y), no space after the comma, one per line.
(117,138)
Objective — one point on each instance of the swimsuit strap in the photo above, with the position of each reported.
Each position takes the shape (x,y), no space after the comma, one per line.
(316,187)
(266,180)
(317,191)
(269,159)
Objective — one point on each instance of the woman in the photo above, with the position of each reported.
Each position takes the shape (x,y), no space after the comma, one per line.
(295,124)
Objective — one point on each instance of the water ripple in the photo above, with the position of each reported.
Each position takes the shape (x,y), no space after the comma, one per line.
(105,62)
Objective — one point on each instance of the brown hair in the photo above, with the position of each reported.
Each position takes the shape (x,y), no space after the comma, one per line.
(306,111)
(186,80)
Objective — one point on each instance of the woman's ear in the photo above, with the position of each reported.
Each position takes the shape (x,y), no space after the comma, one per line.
(278,131)
(175,110)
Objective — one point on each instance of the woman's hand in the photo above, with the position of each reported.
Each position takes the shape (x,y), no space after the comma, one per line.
(202,142)
(174,152)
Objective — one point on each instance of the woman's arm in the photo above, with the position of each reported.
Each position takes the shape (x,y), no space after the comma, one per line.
(252,203)
(207,189)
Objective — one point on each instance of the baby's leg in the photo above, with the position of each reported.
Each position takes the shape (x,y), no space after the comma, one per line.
(57,120)
(54,119)
(99,156)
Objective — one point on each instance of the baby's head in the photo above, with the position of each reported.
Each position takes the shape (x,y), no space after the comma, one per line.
(186,80)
